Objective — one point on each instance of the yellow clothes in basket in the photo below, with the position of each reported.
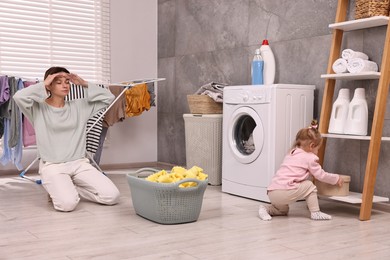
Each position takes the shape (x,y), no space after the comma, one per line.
(179,173)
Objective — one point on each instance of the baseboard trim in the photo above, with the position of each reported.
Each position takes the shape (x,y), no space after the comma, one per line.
(381,206)
(104,167)
(120,166)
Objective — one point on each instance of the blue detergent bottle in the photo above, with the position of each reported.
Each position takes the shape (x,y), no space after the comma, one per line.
(257,68)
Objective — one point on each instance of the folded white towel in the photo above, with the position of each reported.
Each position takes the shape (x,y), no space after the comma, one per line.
(358,65)
(348,54)
(340,66)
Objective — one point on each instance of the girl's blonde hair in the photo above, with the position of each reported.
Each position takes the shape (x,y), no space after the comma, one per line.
(308,135)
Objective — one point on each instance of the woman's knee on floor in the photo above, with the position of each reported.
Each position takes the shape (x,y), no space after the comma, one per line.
(109,196)
(66,204)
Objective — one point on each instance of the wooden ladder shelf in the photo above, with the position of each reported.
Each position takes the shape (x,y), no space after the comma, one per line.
(380,105)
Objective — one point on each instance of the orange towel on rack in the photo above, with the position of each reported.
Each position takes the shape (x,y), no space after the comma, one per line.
(137,100)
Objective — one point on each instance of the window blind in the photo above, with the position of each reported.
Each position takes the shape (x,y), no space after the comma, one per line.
(38,34)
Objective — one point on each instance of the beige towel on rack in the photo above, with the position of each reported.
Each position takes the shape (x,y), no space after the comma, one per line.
(359,65)
(117,112)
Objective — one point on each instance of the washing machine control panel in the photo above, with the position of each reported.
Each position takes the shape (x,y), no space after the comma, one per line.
(255,95)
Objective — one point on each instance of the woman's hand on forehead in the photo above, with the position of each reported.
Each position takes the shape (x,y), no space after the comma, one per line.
(56,76)
(76,79)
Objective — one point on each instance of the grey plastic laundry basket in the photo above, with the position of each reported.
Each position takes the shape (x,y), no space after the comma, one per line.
(165,203)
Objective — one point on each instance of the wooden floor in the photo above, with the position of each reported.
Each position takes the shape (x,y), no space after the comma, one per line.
(228,228)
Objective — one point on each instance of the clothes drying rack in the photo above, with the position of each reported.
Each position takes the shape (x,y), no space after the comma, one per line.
(127,85)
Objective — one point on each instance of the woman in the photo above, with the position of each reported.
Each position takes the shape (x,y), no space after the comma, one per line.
(60,128)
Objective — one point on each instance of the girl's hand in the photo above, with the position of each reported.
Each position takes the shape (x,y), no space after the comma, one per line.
(76,79)
(340,182)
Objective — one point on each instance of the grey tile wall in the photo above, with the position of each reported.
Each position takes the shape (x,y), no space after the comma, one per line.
(200,41)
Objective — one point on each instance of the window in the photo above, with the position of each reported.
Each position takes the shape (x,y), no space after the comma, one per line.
(38,34)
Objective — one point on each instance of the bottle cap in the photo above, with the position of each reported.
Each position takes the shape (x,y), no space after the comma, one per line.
(344,93)
(360,93)
(265,42)
(257,52)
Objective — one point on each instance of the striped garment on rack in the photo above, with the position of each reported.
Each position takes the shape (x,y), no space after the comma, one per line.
(93,136)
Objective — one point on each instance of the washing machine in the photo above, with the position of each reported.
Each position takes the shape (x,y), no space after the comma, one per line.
(259,126)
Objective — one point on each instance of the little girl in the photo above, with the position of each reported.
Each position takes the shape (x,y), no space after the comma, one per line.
(292,182)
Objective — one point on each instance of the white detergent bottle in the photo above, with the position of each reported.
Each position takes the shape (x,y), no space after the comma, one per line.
(339,113)
(357,119)
(269,63)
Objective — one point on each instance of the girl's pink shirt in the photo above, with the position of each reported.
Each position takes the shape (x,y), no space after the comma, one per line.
(298,166)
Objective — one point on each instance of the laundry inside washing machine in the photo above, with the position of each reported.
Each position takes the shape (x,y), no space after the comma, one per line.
(244,135)
(259,127)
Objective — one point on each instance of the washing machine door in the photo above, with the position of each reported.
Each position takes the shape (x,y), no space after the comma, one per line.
(245,135)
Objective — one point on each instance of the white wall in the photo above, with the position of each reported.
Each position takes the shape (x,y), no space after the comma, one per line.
(133,56)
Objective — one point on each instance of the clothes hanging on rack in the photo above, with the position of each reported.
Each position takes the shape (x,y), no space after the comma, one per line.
(1,127)
(28,130)
(137,100)
(99,150)
(15,114)
(152,94)
(4,89)
(117,111)
(12,144)
(93,136)
(4,98)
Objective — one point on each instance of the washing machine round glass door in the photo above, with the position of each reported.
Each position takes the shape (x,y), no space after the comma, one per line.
(246,135)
